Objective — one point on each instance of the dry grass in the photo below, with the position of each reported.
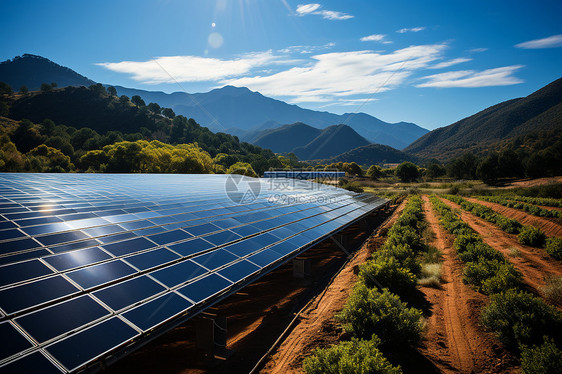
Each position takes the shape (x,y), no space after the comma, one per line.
(514,252)
(430,276)
(553,289)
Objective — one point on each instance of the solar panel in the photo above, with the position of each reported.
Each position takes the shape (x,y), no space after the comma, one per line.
(91,264)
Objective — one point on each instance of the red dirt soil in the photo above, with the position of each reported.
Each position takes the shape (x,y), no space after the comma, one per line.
(316,326)
(533,263)
(455,342)
(551,227)
(534,182)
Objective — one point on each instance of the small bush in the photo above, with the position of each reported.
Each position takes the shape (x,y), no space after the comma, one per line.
(542,359)
(462,242)
(533,236)
(554,247)
(553,289)
(404,254)
(521,318)
(388,273)
(403,235)
(479,252)
(350,357)
(507,277)
(368,312)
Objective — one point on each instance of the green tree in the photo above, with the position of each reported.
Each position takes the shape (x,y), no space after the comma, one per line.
(169,113)
(5,89)
(23,89)
(154,108)
(374,172)
(242,168)
(407,172)
(48,159)
(351,168)
(489,168)
(98,89)
(10,158)
(138,101)
(124,99)
(112,91)
(4,109)
(45,87)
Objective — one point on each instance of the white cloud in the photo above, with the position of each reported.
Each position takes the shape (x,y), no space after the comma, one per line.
(333,15)
(170,69)
(306,49)
(470,78)
(340,74)
(477,50)
(446,64)
(413,29)
(305,9)
(553,41)
(376,38)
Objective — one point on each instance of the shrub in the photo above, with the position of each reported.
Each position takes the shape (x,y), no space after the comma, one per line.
(403,253)
(403,235)
(507,277)
(542,359)
(480,251)
(368,312)
(388,273)
(521,318)
(533,236)
(355,356)
(463,241)
(554,247)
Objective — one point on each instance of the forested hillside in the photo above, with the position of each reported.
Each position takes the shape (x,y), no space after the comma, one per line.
(91,129)
(540,111)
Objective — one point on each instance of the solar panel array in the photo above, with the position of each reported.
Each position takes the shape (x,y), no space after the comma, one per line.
(93,263)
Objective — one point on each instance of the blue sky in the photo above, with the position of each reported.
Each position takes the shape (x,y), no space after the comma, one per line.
(427,62)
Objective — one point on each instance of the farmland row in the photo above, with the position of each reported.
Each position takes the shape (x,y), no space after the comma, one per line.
(375,315)
(522,322)
(524,206)
(526,235)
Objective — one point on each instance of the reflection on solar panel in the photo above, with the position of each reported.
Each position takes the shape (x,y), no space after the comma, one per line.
(91,264)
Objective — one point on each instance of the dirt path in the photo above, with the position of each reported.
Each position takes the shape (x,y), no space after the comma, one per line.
(455,342)
(534,182)
(533,263)
(550,226)
(317,326)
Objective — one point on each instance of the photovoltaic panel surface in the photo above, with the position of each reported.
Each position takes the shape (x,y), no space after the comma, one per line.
(93,263)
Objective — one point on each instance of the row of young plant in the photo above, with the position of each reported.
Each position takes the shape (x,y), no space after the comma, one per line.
(524,206)
(527,235)
(522,322)
(374,315)
(545,201)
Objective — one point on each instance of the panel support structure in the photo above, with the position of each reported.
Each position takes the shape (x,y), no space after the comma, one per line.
(340,245)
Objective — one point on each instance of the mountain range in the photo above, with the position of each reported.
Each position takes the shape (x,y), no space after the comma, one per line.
(540,111)
(308,142)
(234,110)
(311,135)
